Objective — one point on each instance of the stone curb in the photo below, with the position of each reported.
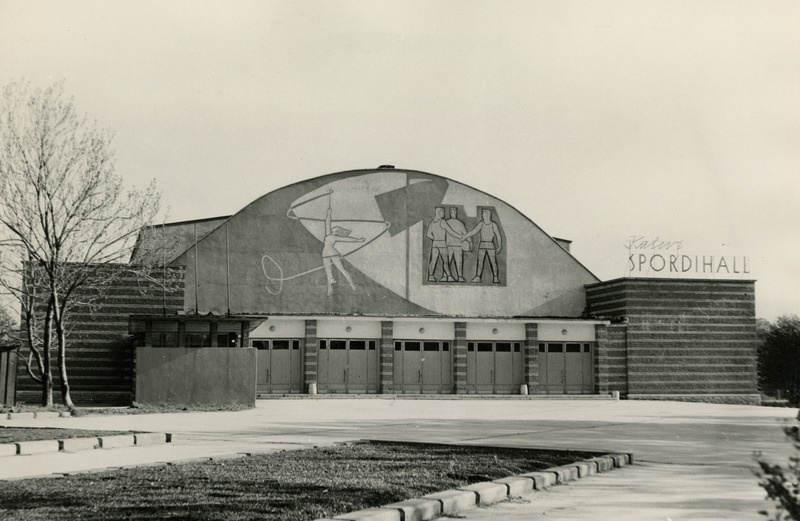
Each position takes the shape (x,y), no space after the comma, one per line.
(23,448)
(453,502)
(39,414)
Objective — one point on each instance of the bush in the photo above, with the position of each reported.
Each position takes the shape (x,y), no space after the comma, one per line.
(779,358)
(783,483)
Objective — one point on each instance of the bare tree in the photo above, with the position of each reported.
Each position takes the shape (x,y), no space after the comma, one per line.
(64,214)
(8,328)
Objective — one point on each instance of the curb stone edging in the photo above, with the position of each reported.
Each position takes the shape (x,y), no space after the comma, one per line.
(22,448)
(449,502)
(35,415)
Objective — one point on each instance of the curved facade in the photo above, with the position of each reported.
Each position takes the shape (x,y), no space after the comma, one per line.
(382,242)
(398,281)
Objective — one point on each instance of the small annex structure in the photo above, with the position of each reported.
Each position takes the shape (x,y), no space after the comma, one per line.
(397,281)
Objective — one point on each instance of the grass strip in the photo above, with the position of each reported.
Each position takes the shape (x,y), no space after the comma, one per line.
(13,434)
(290,485)
(132,409)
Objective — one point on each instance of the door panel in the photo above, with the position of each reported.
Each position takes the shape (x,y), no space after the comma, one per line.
(397,367)
(447,368)
(504,368)
(337,366)
(296,383)
(588,369)
(280,366)
(543,368)
(484,367)
(262,365)
(431,367)
(519,374)
(373,366)
(555,368)
(573,382)
(412,367)
(322,366)
(471,371)
(357,366)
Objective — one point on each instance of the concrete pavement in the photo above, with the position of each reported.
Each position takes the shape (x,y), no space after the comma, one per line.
(692,460)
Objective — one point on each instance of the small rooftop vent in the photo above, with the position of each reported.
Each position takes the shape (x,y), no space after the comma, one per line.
(386,167)
(564,243)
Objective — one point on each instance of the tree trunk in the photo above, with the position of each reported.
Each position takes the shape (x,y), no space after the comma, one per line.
(47,376)
(58,320)
(66,399)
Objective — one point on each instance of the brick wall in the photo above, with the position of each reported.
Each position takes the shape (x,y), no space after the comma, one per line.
(682,337)
(100,358)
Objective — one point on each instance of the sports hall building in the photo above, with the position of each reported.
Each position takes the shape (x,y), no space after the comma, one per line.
(395,281)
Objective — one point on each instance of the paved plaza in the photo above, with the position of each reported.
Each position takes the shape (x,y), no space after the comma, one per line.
(692,461)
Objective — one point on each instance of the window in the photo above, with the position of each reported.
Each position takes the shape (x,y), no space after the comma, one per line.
(412,346)
(503,347)
(165,339)
(227,340)
(573,348)
(430,346)
(358,345)
(484,347)
(198,340)
(280,344)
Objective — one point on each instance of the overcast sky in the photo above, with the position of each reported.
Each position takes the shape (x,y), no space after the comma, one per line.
(599,120)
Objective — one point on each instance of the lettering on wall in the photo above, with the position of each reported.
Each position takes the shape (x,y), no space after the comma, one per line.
(655,256)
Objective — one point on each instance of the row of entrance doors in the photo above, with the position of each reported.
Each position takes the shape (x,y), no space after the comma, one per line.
(420,367)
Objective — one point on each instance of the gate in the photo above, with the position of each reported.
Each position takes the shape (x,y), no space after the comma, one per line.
(347,366)
(422,367)
(279,366)
(566,368)
(494,367)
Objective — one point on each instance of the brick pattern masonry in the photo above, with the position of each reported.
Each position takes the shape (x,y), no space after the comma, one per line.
(682,337)
(100,357)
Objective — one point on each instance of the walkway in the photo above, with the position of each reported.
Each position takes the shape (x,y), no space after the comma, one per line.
(692,460)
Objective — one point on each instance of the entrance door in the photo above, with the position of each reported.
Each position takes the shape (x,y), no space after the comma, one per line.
(431,361)
(568,368)
(347,366)
(279,366)
(422,367)
(494,367)
(412,367)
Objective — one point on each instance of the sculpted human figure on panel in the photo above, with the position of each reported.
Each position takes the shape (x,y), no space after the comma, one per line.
(490,245)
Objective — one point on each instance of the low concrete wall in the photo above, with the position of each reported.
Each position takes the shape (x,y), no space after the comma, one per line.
(195,375)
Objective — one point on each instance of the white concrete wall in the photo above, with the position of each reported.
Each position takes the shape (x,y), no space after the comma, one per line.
(496,331)
(344,328)
(280,328)
(422,330)
(566,332)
